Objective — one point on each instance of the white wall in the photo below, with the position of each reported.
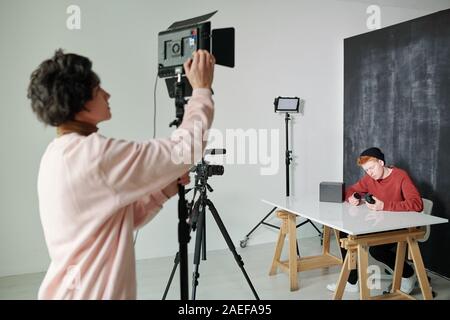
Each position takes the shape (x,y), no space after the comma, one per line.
(282,48)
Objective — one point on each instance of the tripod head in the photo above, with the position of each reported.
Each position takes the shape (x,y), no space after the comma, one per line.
(179,94)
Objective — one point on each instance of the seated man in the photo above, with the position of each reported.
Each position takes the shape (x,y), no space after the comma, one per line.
(392,190)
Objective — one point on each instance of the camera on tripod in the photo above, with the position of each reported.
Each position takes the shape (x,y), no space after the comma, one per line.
(204,170)
(196,219)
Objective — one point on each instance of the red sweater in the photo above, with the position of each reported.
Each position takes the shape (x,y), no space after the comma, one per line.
(397,191)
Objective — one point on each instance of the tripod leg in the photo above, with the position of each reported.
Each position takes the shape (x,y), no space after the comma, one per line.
(175,264)
(204,236)
(230,244)
(198,246)
(243,242)
(315,227)
(183,240)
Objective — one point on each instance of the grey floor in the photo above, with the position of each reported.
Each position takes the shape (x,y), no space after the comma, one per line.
(221,278)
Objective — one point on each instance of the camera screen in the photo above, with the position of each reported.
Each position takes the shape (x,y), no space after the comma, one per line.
(284,104)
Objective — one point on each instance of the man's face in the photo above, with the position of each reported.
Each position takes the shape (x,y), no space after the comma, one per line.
(374,168)
(97,108)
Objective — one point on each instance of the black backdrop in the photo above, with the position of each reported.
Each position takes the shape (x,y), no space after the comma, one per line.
(397,97)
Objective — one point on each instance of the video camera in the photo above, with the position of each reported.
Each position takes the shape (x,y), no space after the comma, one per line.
(208,170)
(204,170)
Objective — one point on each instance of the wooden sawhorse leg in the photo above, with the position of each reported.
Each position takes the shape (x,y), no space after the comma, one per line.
(348,265)
(398,269)
(295,264)
(363,264)
(420,269)
(288,227)
(358,246)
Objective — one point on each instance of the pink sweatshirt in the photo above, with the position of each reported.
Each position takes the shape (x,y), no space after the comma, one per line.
(95,191)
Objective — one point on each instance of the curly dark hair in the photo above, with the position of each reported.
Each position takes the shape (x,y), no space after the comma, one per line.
(60,87)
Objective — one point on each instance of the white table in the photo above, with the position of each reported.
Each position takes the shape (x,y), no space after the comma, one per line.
(365,228)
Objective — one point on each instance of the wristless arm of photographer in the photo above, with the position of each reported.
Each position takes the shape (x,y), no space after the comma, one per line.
(133,171)
(146,208)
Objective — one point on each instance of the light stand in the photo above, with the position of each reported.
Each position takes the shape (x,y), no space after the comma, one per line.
(183,226)
(287,105)
(175,47)
(288,153)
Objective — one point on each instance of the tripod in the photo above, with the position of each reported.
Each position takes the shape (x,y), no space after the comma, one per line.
(198,223)
(288,159)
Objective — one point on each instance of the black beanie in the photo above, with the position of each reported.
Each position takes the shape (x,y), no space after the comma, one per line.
(373,152)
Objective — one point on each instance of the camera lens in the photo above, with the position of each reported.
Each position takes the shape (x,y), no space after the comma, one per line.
(215,170)
(369,198)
